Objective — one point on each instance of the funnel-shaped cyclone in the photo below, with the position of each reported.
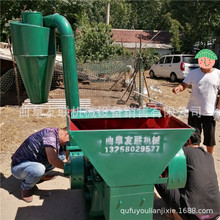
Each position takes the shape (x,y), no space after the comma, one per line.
(36,73)
(34,51)
(129,151)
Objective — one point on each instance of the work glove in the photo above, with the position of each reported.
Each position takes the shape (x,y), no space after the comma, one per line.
(217,114)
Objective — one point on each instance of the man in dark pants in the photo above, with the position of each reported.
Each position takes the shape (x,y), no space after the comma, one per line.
(205,82)
(200,198)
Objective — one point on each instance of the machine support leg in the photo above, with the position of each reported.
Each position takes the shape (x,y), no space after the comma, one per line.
(129,203)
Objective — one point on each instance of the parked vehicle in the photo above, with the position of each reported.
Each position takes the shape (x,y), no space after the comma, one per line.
(174,66)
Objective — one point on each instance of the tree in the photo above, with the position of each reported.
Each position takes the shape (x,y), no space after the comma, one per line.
(120,14)
(94,43)
(10,10)
(146,14)
(190,22)
(149,56)
(200,21)
(175,29)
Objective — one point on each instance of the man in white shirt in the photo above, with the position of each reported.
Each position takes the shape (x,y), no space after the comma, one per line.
(205,83)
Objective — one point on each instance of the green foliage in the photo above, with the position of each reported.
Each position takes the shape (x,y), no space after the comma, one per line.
(123,10)
(149,56)
(191,23)
(175,29)
(146,15)
(94,43)
(175,39)
(11,10)
(200,21)
(8,10)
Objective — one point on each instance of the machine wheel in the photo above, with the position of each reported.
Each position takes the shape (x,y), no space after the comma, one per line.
(152,75)
(173,77)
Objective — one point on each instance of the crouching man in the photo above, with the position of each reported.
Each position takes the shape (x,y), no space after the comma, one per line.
(36,157)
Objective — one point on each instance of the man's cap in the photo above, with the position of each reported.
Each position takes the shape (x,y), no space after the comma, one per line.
(206,53)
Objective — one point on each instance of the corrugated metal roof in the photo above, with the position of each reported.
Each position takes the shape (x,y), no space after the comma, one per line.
(150,39)
(146,45)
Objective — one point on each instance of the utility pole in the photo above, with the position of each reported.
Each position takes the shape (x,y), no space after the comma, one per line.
(108,12)
(140,62)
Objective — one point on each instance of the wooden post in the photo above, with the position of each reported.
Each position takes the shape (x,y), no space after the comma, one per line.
(145,81)
(122,47)
(108,12)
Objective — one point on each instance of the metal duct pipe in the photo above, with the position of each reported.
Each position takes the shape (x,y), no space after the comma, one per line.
(69,57)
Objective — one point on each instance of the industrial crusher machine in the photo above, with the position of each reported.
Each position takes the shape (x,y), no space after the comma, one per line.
(116,156)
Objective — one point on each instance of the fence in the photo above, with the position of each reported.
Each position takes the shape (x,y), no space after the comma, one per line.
(104,83)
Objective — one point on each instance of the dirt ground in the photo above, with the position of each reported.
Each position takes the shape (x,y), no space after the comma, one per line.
(53,200)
